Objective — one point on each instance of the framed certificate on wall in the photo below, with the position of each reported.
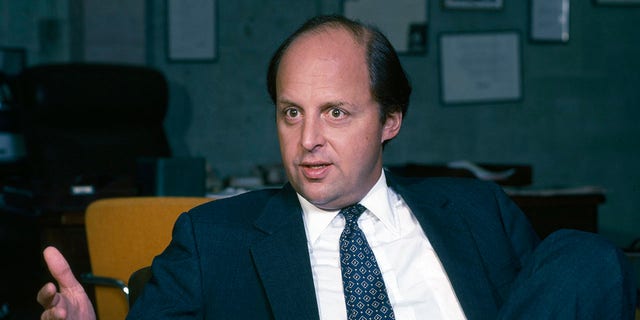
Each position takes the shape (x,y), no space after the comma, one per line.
(550,20)
(191,30)
(480,67)
(404,22)
(472,4)
(618,2)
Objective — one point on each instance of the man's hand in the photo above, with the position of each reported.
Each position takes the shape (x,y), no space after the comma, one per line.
(71,303)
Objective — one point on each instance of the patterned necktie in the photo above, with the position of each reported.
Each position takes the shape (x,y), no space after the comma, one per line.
(364,289)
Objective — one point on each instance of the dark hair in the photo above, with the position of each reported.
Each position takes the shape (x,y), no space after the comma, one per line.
(389,84)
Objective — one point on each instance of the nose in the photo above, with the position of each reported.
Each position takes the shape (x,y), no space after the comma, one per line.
(312,134)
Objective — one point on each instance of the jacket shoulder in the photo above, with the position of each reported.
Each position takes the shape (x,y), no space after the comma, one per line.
(450,186)
(239,208)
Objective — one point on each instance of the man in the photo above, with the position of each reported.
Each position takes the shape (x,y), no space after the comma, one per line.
(435,248)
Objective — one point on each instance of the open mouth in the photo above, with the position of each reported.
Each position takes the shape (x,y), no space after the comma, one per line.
(315,166)
(315,171)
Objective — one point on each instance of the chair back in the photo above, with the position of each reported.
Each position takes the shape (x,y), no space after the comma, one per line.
(124,235)
(88,124)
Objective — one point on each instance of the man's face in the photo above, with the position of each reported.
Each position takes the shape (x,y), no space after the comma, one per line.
(328,122)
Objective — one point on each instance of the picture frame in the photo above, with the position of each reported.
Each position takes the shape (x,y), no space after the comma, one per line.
(191,30)
(473,4)
(480,67)
(550,21)
(617,2)
(403,22)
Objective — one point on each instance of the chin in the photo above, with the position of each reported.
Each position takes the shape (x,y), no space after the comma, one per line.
(319,199)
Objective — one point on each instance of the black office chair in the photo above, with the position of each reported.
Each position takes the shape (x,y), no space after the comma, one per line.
(85,126)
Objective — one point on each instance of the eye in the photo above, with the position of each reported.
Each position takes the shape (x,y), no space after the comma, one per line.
(291,112)
(336,113)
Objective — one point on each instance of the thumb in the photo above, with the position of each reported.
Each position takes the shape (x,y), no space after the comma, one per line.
(59,268)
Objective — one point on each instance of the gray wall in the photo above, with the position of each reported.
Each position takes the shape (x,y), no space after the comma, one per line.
(577,123)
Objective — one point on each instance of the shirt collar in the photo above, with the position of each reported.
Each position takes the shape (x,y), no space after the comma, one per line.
(377,201)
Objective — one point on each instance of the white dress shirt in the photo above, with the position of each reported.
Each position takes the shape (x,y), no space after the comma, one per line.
(416,282)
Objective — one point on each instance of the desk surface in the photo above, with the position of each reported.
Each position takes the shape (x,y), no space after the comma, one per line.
(549,210)
(555,192)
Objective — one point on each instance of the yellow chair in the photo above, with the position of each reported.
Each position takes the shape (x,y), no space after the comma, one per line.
(124,235)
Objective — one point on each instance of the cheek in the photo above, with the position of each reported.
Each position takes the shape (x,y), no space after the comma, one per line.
(359,143)
(285,147)
(288,142)
(284,134)
(283,140)
(370,135)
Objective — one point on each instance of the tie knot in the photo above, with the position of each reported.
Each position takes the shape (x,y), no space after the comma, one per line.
(352,212)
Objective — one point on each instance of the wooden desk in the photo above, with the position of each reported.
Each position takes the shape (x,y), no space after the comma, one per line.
(66,232)
(550,210)
(547,209)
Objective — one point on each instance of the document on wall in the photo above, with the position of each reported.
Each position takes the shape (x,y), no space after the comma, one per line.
(550,20)
(404,22)
(191,29)
(480,67)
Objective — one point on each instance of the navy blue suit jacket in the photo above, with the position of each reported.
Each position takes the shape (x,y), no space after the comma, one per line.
(246,257)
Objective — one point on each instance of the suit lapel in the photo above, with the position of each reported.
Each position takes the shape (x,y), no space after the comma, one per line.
(452,240)
(288,280)
(282,259)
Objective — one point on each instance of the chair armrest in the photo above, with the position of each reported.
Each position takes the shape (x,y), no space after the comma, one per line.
(90,278)
(137,281)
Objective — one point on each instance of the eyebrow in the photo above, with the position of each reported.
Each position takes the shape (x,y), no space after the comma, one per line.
(285,102)
(338,103)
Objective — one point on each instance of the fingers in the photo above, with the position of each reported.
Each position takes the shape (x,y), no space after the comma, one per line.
(47,296)
(52,302)
(54,314)
(71,301)
(59,268)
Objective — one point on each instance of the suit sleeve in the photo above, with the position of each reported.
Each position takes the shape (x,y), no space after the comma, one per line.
(175,289)
(516,225)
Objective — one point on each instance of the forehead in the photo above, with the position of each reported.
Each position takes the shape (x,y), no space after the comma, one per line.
(327,36)
(328,55)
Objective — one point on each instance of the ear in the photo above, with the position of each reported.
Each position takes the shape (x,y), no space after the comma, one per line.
(391,126)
